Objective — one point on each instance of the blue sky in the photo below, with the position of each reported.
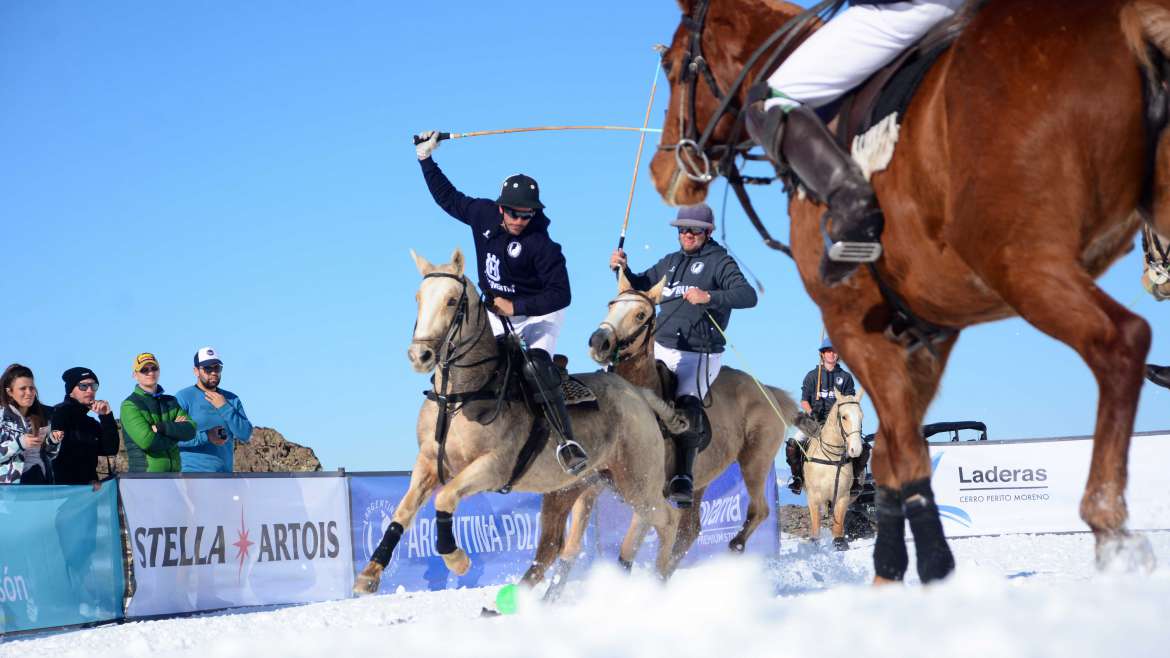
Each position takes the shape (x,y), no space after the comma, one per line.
(241,175)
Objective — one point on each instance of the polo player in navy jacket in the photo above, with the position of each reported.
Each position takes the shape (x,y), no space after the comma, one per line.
(523,271)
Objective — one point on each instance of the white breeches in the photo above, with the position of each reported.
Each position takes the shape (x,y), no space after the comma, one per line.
(538,331)
(696,371)
(851,47)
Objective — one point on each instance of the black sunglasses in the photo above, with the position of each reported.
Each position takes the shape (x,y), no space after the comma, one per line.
(692,230)
(87,386)
(212,369)
(148,369)
(520,214)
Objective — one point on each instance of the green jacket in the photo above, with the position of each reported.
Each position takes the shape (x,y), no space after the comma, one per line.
(149,451)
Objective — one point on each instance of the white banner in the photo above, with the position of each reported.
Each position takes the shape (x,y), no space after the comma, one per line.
(990,488)
(209,543)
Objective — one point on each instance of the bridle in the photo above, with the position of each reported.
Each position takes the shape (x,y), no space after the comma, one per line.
(453,350)
(838,455)
(645,330)
(694,153)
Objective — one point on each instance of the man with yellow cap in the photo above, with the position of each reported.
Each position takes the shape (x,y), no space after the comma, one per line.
(153,422)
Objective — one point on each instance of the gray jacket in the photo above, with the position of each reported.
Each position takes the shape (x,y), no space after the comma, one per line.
(682,325)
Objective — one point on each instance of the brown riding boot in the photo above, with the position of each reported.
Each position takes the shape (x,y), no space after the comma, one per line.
(799,140)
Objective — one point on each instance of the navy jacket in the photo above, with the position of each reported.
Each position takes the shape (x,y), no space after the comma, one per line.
(528,269)
(837,379)
(682,325)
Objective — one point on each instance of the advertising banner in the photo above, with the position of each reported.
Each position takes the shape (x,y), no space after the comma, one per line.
(204,543)
(722,513)
(499,533)
(986,487)
(60,556)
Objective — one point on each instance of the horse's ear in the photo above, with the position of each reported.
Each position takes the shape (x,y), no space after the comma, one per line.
(623,282)
(655,293)
(424,266)
(860,393)
(457,261)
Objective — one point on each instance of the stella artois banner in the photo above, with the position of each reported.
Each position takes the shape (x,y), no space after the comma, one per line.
(211,542)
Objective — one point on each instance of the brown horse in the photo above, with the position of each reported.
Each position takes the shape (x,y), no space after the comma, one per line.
(1017,180)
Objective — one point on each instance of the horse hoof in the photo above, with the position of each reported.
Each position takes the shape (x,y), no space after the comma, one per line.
(1125,553)
(626,565)
(368,580)
(840,544)
(457,561)
(736,546)
(878,581)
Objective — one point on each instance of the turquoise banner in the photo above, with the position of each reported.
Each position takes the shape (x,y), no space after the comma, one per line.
(60,556)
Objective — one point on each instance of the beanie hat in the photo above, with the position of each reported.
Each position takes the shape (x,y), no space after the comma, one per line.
(74,375)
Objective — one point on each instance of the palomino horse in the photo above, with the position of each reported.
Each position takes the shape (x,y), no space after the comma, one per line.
(745,427)
(1021,173)
(621,436)
(828,466)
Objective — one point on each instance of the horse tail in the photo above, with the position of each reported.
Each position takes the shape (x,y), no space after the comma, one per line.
(675,421)
(788,407)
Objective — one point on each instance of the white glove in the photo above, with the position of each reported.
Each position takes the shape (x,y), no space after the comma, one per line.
(427,142)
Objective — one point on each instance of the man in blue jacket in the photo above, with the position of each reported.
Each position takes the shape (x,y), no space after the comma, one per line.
(218,414)
(703,283)
(522,272)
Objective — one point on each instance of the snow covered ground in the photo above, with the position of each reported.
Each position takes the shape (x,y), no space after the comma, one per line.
(1010,597)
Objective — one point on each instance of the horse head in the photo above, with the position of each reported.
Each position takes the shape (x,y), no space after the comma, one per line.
(846,413)
(705,57)
(630,317)
(445,299)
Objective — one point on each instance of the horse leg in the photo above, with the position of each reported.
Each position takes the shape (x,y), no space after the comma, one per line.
(422,482)
(1060,299)
(635,535)
(755,466)
(571,549)
(482,474)
(689,527)
(814,515)
(554,510)
(901,386)
(840,506)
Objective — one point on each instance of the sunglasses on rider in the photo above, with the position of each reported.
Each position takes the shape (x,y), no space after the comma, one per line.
(520,214)
(682,230)
(85,386)
(216,368)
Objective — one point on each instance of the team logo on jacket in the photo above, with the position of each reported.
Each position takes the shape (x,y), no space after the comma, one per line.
(491,267)
(697,267)
(840,380)
(514,249)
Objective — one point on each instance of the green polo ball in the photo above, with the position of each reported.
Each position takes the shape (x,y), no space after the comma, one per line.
(506,600)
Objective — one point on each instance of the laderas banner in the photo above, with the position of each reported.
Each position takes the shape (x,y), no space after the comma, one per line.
(210,542)
(60,556)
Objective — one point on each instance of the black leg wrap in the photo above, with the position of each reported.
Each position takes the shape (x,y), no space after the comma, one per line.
(387,545)
(889,549)
(930,544)
(445,533)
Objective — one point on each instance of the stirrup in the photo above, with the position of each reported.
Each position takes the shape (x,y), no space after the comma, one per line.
(683,499)
(574,462)
(855,252)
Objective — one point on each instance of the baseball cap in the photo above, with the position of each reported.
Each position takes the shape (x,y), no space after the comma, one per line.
(697,216)
(144,359)
(207,356)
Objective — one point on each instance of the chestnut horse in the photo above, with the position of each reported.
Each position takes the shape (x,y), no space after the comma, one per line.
(1017,180)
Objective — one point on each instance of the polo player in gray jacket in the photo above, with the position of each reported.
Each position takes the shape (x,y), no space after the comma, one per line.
(701,279)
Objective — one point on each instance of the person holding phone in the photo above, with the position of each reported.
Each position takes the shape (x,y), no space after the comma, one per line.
(27,444)
(218,415)
(84,438)
(153,422)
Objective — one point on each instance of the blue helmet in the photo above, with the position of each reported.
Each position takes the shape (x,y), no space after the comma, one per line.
(826,344)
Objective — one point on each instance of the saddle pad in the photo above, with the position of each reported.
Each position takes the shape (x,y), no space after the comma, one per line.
(576,392)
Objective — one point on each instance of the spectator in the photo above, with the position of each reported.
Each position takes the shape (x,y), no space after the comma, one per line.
(218,414)
(27,448)
(818,394)
(153,421)
(85,439)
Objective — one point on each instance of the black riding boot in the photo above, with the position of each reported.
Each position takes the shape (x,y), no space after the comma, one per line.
(688,444)
(800,140)
(795,460)
(859,464)
(1160,375)
(543,380)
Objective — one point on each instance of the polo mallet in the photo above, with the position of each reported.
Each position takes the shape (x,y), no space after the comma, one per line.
(508,131)
(641,143)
